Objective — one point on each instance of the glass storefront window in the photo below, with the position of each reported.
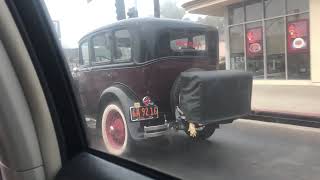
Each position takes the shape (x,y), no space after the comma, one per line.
(287,51)
(236,14)
(275,48)
(298,17)
(254,49)
(254,10)
(274,8)
(297,6)
(236,48)
(298,46)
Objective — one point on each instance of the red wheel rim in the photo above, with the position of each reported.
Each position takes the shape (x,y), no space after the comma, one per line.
(115,129)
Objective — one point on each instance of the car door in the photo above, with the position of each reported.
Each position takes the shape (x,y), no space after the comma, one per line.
(112,63)
(101,62)
(84,77)
(122,71)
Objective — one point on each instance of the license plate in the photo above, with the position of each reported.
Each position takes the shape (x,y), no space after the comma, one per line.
(144,113)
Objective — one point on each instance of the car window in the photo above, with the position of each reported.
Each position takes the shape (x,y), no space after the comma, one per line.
(122,46)
(199,42)
(186,43)
(84,49)
(188,82)
(179,44)
(102,48)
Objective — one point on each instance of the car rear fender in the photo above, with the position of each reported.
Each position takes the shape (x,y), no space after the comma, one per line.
(123,95)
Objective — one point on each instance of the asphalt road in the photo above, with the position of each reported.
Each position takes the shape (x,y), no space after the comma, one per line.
(242,150)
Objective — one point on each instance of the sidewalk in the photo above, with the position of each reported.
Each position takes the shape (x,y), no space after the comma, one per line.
(302,100)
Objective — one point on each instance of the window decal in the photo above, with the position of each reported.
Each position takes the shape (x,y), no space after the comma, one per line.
(298,36)
(254,42)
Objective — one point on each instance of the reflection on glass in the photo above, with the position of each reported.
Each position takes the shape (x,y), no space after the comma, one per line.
(275,41)
(84,47)
(254,10)
(236,14)
(123,46)
(299,66)
(101,48)
(236,48)
(298,56)
(254,49)
(274,8)
(296,6)
(183,43)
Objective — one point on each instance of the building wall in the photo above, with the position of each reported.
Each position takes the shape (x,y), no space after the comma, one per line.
(315,40)
(314,16)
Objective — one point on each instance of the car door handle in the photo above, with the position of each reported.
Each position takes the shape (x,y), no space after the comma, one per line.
(87,69)
(109,75)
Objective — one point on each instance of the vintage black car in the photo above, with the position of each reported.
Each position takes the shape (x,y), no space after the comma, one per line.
(141,77)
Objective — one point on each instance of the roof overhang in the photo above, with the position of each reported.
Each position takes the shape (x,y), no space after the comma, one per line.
(208,7)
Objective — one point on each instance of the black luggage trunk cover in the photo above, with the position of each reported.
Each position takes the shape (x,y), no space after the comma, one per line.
(212,96)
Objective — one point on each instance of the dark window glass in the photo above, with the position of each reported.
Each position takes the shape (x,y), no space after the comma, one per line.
(123,46)
(254,49)
(254,10)
(275,47)
(236,14)
(298,47)
(236,48)
(296,6)
(274,8)
(84,53)
(102,48)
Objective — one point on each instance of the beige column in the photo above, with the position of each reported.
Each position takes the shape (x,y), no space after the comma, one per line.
(315,40)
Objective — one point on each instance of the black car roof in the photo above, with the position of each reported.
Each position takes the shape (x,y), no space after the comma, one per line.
(145,22)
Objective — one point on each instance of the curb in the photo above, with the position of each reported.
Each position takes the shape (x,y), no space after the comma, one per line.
(293,118)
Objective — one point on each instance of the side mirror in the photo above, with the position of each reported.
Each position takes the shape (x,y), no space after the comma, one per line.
(75,70)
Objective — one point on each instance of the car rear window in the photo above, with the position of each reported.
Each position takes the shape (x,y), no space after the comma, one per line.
(184,43)
(195,43)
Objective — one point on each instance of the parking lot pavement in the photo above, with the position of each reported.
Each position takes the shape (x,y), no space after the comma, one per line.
(244,150)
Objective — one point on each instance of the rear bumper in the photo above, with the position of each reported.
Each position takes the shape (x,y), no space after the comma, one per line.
(155,131)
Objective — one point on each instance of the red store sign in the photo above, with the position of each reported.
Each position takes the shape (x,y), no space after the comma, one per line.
(254,42)
(298,36)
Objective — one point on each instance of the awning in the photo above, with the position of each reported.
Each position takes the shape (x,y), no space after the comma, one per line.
(208,7)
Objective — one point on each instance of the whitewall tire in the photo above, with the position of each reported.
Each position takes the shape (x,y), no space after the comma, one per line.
(114,130)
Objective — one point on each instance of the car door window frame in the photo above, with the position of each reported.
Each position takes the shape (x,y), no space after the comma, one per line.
(104,33)
(82,64)
(130,60)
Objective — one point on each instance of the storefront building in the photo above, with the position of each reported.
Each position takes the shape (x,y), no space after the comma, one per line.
(276,40)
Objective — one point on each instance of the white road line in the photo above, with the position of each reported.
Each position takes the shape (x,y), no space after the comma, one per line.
(279,125)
